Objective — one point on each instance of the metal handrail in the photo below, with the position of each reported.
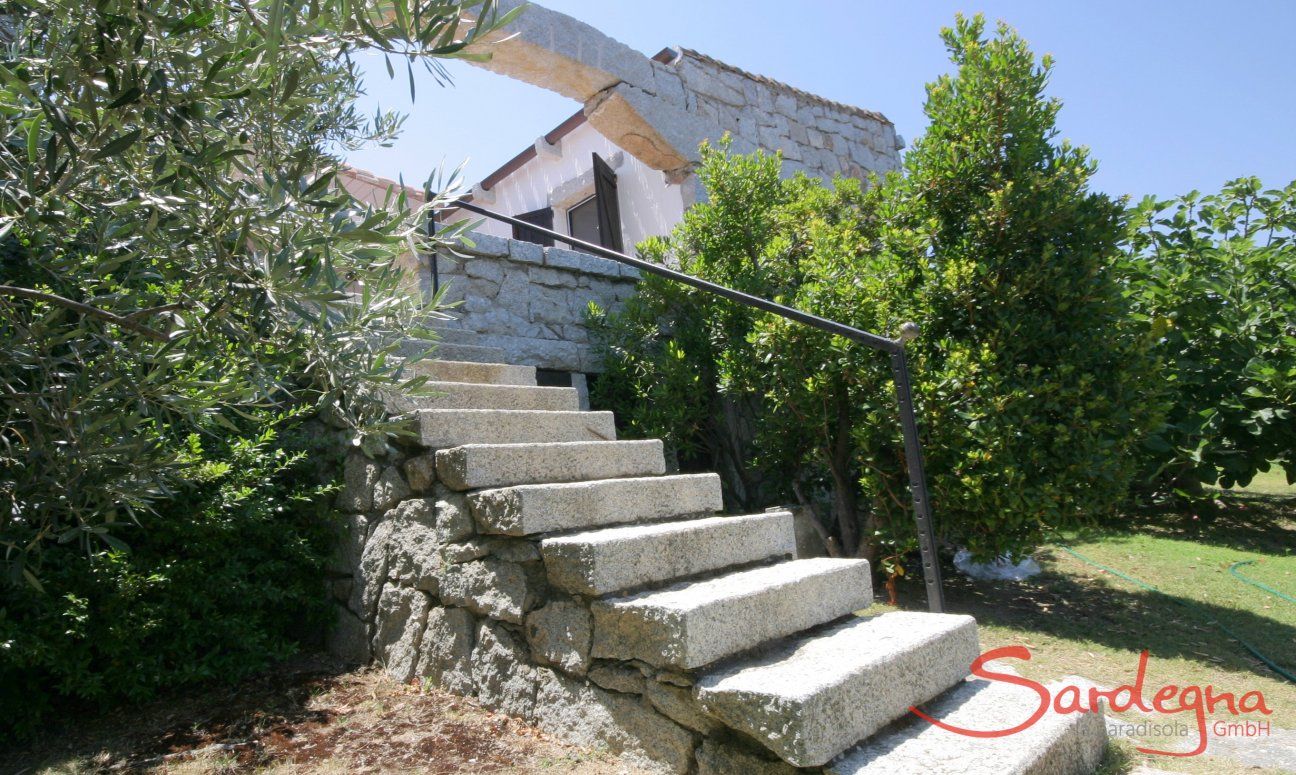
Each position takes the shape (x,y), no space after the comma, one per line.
(894,347)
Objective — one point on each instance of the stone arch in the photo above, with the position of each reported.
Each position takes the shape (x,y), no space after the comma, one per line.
(635,101)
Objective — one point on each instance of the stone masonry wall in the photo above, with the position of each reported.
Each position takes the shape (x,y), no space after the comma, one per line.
(818,136)
(530,300)
(420,592)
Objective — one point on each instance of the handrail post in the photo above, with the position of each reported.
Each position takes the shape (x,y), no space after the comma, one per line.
(430,228)
(917,475)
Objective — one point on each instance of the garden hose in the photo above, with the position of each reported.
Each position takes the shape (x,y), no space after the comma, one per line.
(1191,607)
(1233,570)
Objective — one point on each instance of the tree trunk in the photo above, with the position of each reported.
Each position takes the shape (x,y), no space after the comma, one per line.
(839,465)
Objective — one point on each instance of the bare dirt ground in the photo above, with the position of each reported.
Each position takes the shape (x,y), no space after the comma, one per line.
(308,716)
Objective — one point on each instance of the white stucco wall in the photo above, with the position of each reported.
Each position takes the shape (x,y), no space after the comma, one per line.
(562,175)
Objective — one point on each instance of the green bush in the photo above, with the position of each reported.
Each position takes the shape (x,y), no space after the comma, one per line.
(226,578)
(176,247)
(1214,278)
(1029,371)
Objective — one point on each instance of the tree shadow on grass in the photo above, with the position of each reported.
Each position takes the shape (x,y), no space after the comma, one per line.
(1263,524)
(1065,607)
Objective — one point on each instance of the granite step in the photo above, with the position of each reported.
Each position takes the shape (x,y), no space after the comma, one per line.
(481,373)
(443,428)
(601,562)
(532,509)
(473,395)
(501,465)
(447,351)
(1057,744)
(449,335)
(696,623)
(812,698)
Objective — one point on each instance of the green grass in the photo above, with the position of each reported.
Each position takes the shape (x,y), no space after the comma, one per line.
(1271,482)
(1079,619)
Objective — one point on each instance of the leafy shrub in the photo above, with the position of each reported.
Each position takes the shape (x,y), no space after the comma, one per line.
(226,578)
(178,259)
(177,251)
(1215,279)
(1028,374)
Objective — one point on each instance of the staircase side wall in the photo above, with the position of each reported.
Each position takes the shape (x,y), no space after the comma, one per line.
(420,592)
(531,301)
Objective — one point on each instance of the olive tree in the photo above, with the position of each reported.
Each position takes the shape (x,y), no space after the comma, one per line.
(176,251)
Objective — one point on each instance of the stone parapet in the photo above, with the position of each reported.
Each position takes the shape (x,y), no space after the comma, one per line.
(531,301)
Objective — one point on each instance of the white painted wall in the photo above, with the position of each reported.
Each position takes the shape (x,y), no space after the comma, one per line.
(649,205)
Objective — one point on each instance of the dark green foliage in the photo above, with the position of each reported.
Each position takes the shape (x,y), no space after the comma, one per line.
(1215,279)
(1029,370)
(226,578)
(180,263)
(1031,373)
(177,253)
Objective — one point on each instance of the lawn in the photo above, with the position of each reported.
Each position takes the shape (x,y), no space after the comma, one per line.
(1080,619)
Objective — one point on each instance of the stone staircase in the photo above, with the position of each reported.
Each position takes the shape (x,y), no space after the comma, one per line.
(563,576)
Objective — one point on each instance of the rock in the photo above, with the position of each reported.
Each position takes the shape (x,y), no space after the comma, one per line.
(389,490)
(485,268)
(674,678)
(414,557)
(421,510)
(352,532)
(587,715)
(446,651)
(677,703)
(527,252)
(513,550)
(372,574)
(494,588)
(454,521)
(559,635)
(617,677)
(359,476)
(717,758)
(342,588)
(501,673)
(420,473)
(402,614)
(348,638)
(467,551)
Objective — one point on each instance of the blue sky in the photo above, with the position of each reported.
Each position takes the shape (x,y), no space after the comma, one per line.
(1169,95)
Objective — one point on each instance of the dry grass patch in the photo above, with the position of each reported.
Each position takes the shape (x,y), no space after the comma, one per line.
(310,717)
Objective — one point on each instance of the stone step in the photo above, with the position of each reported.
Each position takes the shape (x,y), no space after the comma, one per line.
(443,428)
(530,509)
(446,351)
(1054,745)
(455,335)
(600,562)
(473,395)
(812,698)
(501,465)
(481,373)
(694,624)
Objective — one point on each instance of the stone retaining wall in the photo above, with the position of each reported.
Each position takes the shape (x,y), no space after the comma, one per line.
(422,593)
(531,300)
(818,136)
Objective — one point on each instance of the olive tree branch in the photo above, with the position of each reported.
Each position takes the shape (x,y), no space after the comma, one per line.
(127,322)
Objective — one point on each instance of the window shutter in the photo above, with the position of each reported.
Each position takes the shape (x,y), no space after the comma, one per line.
(542,218)
(609,210)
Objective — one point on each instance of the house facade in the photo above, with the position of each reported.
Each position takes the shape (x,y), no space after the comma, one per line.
(614,174)
(619,170)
